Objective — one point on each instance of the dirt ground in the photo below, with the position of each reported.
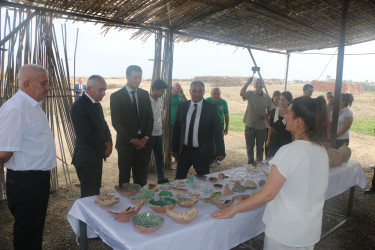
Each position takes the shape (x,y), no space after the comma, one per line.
(357,233)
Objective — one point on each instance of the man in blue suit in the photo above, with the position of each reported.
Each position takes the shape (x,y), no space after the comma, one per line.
(79,89)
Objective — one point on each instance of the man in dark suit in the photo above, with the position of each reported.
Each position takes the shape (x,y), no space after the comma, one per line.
(196,129)
(133,120)
(79,89)
(93,138)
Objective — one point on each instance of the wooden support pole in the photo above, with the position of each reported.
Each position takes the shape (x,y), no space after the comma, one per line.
(286,70)
(339,72)
(255,64)
(20,26)
(157,56)
(167,75)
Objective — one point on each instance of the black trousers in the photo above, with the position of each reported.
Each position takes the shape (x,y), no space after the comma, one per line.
(90,179)
(192,156)
(131,160)
(28,194)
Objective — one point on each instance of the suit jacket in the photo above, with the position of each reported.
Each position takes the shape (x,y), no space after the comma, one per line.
(209,131)
(92,133)
(77,91)
(124,117)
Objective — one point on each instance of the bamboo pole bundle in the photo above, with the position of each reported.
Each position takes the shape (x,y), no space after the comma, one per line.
(36,43)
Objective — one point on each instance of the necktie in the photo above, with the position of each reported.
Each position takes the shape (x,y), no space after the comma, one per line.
(99,110)
(191,126)
(135,108)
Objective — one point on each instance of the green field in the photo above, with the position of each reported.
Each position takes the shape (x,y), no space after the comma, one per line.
(365,127)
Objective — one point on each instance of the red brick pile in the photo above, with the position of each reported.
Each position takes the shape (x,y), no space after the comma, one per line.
(326,86)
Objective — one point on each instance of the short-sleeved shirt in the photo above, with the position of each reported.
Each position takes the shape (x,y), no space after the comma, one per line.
(157,108)
(222,107)
(294,216)
(346,112)
(175,100)
(25,131)
(257,106)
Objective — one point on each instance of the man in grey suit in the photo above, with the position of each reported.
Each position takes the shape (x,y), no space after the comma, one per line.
(196,129)
(93,138)
(133,120)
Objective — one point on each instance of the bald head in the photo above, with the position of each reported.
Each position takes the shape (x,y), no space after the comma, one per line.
(33,80)
(176,88)
(215,94)
(29,72)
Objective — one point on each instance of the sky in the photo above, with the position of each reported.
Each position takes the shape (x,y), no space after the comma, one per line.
(109,55)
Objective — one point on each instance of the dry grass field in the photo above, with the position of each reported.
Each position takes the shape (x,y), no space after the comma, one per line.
(59,235)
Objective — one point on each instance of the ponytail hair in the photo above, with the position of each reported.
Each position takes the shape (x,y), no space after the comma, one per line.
(348,99)
(313,113)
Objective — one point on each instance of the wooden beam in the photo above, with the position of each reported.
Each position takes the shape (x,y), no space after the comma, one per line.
(339,72)
(210,13)
(255,64)
(89,18)
(263,6)
(225,42)
(286,70)
(20,26)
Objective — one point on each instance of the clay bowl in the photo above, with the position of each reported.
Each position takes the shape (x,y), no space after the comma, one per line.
(195,195)
(218,186)
(165,193)
(152,187)
(180,183)
(180,190)
(128,189)
(143,196)
(163,204)
(183,217)
(147,222)
(126,214)
(106,201)
(222,203)
(212,179)
(186,202)
(166,186)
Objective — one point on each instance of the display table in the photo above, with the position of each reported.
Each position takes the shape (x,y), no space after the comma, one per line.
(202,233)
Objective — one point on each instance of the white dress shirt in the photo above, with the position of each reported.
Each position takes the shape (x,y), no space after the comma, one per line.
(157,108)
(196,123)
(25,131)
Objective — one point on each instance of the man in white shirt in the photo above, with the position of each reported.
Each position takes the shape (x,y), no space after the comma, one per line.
(155,144)
(27,150)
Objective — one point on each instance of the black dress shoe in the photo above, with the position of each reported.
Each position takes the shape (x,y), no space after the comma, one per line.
(163,181)
(370,191)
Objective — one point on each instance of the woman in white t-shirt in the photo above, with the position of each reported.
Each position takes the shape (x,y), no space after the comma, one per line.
(345,120)
(297,182)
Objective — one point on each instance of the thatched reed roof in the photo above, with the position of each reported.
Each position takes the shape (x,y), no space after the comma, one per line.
(280,25)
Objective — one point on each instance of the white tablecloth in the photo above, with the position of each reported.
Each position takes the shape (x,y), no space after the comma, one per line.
(345,177)
(204,232)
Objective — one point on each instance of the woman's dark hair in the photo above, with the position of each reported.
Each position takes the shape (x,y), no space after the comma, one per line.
(288,96)
(347,99)
(313,112)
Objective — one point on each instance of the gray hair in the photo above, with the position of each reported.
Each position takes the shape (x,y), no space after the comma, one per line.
(25,71)
(93,80)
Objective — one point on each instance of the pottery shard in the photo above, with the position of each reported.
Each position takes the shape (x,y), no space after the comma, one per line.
(238,188)
(227,190)
(261,183)
(222,176)
(249,184)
